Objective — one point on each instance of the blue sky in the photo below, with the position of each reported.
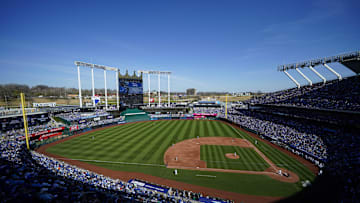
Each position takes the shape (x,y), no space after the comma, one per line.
(210,45)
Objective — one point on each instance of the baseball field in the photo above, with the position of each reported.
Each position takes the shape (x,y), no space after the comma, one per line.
(155,148)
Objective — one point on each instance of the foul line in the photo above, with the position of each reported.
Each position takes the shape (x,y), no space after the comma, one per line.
(205,176)
(237,132)
(113,162)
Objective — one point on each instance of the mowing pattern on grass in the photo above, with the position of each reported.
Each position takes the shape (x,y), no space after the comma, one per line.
(147,142)
(279,158)
(249,160)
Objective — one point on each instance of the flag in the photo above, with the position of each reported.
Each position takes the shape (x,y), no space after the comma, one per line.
(96,99)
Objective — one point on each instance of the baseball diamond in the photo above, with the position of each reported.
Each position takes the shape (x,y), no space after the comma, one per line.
(142,148)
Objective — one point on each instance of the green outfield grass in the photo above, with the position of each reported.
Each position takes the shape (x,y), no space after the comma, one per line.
(146,142)
(249,160)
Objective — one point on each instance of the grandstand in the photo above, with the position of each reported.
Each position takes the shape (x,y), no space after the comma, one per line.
(334,95)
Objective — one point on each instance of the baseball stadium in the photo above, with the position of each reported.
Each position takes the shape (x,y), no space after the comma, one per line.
(268,148)
(180,101)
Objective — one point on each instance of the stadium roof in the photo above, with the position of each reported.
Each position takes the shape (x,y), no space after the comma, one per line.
(351,60)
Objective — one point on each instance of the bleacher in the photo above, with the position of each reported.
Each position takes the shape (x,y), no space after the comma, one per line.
(335,95)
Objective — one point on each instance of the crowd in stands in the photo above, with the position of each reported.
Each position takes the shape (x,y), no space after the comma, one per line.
(289,132)
(337,95)
(91,124)
(31,129)
(209,110)
(339,118)
(75,116)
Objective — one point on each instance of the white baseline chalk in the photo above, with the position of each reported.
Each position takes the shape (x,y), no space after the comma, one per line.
(205,176)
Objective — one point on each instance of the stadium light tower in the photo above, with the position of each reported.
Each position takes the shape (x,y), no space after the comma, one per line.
(169,90)
(159,99)
(93,84)
(150,72)
(79,83)
(105,68)
(106,103)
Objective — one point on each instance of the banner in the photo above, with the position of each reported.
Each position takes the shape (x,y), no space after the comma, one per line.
(207,200)
(204,114)
(72,128)
(149,186)
(49,104)
(44,137)
(45,132)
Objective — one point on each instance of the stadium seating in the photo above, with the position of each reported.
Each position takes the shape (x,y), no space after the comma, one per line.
(337,95)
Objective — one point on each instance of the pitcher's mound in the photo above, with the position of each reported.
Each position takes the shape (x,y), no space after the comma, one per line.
(231,156)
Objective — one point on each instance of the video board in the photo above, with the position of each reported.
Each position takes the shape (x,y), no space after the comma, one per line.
(128,87)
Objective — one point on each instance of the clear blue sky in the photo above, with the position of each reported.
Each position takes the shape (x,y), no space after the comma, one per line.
(208,45)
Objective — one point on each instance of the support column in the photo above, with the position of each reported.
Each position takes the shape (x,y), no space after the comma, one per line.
(333,71)
(226,106)
(93,85)
(297,84)
(106,103)
(168,90)
(318,74)
(117,89)
(159,88)
(149,88)
(306,78)
(79,81)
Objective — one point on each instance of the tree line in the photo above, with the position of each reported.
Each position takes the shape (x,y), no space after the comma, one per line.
(9,91)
